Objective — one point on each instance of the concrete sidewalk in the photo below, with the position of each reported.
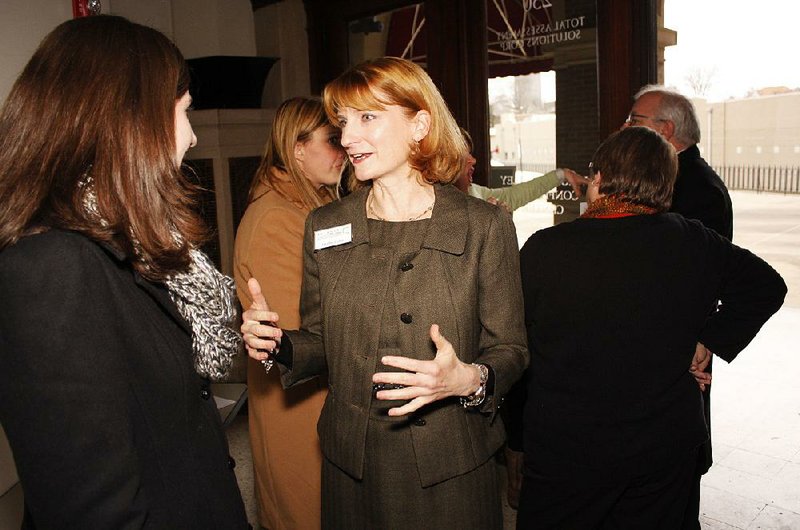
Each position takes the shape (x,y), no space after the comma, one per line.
(755,480)
(755,418)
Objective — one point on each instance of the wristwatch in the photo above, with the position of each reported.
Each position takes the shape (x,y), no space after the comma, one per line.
(479,396)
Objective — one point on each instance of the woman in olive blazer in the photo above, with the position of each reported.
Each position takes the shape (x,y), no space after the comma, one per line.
(470,289)
(411,302)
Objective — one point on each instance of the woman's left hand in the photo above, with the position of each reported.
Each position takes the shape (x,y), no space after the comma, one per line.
(427,381)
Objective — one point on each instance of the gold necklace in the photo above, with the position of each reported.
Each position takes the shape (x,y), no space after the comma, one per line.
(371,210)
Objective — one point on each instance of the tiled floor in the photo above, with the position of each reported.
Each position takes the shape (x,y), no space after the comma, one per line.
(755,481)
(239,445)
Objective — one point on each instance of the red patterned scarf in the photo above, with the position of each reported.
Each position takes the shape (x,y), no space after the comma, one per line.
(613,206)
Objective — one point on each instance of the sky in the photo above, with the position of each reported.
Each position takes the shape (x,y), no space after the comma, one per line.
(749,44)
(746,44)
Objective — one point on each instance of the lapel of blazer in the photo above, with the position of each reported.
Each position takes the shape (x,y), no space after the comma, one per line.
(371,264)
(160,294)
(447,231)
(359,276)
(167,340)
(351,209)
(157,292)
(449,221)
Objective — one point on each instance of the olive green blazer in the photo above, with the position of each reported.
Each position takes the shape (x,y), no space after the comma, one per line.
(471,288)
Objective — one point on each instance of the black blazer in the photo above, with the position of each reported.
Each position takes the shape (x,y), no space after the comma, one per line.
(109,424)
(608,386)
(700,194)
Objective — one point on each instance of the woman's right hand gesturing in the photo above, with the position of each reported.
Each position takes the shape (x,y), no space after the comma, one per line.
(262,336)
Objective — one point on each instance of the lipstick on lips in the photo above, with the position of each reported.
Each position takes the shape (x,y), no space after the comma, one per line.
(359,157)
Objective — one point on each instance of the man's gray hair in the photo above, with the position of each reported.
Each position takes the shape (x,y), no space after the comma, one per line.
(678,109)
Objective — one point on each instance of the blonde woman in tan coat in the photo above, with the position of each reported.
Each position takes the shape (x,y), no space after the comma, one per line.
(300,171)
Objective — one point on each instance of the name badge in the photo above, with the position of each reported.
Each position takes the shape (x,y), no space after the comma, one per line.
(330,237)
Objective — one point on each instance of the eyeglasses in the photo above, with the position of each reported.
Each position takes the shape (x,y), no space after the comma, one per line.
(636,119)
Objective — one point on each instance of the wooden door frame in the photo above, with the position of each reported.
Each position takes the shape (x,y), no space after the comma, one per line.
(457,56)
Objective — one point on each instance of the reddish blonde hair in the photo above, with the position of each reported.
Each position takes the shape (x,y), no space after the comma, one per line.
(378,83)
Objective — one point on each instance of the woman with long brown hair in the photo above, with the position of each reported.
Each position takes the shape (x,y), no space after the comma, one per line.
(112,322)
(300,171)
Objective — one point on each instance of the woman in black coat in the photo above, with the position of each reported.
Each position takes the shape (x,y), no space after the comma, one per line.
(614,415)
(111,323)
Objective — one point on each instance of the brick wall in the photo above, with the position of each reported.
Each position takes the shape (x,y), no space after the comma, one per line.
(576,116)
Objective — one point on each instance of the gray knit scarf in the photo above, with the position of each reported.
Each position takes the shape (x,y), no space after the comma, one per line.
(206,298)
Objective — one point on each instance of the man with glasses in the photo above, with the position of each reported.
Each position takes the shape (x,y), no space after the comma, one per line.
(700,194)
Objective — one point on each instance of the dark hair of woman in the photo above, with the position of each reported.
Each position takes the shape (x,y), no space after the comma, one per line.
(94,110)
(639,166)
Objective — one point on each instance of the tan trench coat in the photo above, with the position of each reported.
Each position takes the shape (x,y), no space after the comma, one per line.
(283,438)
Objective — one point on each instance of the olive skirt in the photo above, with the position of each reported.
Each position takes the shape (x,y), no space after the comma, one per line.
(390,495)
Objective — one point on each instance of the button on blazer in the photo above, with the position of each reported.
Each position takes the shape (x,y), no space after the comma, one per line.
(471,288)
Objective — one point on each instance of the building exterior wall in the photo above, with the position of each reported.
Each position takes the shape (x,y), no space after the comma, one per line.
(577,134)
(524,143)
(758,131)
(749,132)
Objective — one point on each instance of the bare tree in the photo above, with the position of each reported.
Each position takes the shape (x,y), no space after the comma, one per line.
(700,79)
